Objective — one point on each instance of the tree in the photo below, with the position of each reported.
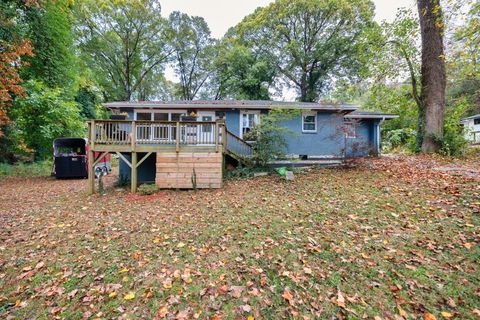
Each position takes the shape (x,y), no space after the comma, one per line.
(50,30)
(312,43)
(241,73)
(44,115)
(433,75)
(124,42)
(192,46)
(88,101)
(14,47)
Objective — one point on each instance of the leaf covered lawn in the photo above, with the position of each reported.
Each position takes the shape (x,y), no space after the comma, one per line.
(390,238)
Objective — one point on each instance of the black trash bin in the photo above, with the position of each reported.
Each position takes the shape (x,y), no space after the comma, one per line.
(70,158)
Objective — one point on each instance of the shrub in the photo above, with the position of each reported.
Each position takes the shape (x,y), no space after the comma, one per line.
(270,136)
(453,142)
(147,189)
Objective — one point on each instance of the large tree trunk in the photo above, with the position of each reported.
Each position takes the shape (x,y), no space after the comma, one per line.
(433,74)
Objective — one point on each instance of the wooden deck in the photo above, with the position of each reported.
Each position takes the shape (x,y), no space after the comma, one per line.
(203,143)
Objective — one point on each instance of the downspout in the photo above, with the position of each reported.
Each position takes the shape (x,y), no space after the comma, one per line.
(378,135)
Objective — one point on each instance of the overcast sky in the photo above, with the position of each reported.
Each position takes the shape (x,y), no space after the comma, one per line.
(223,14)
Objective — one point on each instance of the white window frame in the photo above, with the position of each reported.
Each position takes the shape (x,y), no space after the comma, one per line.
(243,112)
(350,129)
(151,111)
(307,114)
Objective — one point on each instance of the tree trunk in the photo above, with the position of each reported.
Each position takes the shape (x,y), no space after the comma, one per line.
(433,74)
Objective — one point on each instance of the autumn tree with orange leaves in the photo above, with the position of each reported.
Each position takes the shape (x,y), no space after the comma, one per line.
(13,48)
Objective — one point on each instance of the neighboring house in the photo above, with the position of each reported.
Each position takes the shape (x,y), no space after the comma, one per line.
(179,129)
(471,128)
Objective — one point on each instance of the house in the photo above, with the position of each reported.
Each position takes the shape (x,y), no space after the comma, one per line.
(183,144)
(471,128)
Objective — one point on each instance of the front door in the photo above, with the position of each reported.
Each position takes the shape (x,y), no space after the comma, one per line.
(206,132)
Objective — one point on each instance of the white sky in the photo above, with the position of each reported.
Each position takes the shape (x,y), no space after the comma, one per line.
(223,14)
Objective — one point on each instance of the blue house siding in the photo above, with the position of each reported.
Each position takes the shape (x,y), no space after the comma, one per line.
(327,141)
(232,120)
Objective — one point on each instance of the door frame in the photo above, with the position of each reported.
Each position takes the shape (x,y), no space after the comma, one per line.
(242,112)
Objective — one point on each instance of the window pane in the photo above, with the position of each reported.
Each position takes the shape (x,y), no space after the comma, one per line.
(160,116)
(309,126)
(309,119)
(476,121)
(144,116)
(176,116)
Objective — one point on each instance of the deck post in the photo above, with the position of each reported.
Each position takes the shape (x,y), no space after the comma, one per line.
(217,137)
(91,157)
(178,137)
(133,177)
(133,135)
(91,173)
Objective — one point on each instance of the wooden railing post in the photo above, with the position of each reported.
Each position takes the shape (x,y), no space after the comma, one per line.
(217,137)
(133,177)
(178,137)
(134,135)
(92,137)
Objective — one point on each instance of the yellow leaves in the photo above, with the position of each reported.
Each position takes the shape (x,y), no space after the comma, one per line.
(446,314)
(287,295)
(167,284)
(124,270)
(112,294)
(251,318)
(180,245)
(162,312)
(129,296)
(18,303)
(469,225)
(468,245)
(401,312)
(429,316)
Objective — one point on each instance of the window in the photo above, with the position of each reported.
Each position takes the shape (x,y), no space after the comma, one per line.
(144,116)
(248,119)
(350,130)
(476,121)
(309,122)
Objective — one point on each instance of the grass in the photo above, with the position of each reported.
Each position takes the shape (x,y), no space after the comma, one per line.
(33,169)
(385,234)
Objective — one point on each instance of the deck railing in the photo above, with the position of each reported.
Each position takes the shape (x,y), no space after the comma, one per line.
(120,132)
(238,146)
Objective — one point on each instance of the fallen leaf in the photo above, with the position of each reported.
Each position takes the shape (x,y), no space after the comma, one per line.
(129,296)
(287,295)
(401,312)
(162,312)
(446,314)
(429,316)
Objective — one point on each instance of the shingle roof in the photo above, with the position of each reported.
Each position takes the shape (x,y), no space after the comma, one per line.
(360,114)
(229,104)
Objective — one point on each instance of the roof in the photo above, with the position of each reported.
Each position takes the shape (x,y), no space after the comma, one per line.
(471,117)
(360,114)
(229,104)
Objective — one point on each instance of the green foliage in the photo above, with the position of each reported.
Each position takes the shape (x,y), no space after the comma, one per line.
(311,42)
(398,139)
(147,189)
(241,73)
(125,43)
(193,47)
(22,169)
(53,62)
(43,115)
(453,142)
(246,172)
(87,101)
(270,136)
